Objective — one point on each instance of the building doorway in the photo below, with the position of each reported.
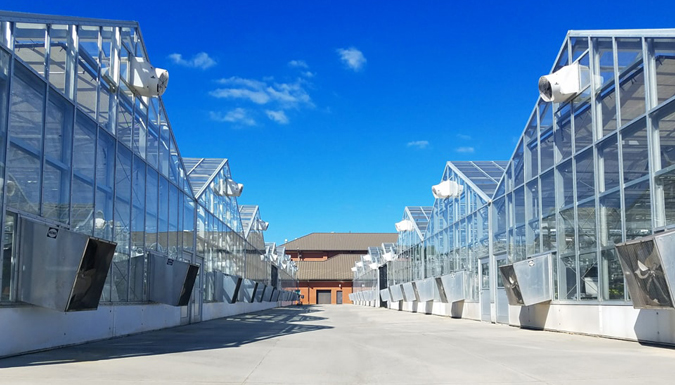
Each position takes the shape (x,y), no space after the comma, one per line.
(323,297)
(485,314)
(502,299)
(338,297)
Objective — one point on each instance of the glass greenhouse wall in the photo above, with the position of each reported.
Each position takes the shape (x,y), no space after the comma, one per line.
(590,171)
(80,150)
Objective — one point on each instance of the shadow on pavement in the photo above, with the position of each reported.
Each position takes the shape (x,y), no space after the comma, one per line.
(221,333)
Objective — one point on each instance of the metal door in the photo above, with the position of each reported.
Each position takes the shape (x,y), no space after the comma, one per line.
(197,296)
(338,297)
(323,297)
(485,314)
(502,305)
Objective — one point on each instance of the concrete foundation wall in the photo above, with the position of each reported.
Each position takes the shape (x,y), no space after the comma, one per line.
(611,321)
(29,328)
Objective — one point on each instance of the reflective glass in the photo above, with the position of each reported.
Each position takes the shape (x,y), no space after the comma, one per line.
(566,188)
(588,272)
(608,158)
(563,132)
(586,225)
(56,178)
(585,175)
(610,219)
(665,122)
(631,79)
(568,277)
(105,184)
(612,276)
(664,57)
(638,210)
(634,152)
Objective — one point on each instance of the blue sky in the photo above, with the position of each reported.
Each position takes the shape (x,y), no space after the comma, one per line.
(338,114)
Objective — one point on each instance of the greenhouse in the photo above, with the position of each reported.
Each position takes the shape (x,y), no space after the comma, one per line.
(580,220)
(108,229)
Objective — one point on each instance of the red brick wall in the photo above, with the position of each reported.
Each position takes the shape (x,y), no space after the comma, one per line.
(309,289)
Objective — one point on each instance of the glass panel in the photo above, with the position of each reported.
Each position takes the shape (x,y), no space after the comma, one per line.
(122,233)
(664,56)
(58,56)
(519,206)
(140,128)
(583,123)
(163,215)
(585,175)
(568,242)
(610,219)
(665,122)
(667,181)
(106,104)
(87,70)
(566,189)
(631,79)
(605,61)
(485,276)
(608,158)
(29,45)
(9,259)
(518,166)
(586,225)
(612,276)
(137,262)
(548,232)
(547,138)
(84,152)
(638,210)
(105,177)
(634,151)
(547,194)
(125,120)
(56,178)
(152,202)
(568,277)
(588,271)
(563,133)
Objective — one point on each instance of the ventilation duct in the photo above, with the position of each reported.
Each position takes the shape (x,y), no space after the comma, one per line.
(170,280)
(528,282)
(396,292)
(455,285)
(564,84)
(61,269)
(409,292)
(648,264)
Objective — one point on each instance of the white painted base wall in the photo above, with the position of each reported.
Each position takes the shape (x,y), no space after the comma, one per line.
(611,321)
(29,328)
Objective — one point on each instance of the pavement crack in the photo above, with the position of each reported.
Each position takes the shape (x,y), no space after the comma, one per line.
(276,341)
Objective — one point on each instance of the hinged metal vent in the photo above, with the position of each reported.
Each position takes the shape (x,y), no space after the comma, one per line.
(61,269)
(528,282)
(455,285)
(648,265)
(170,281)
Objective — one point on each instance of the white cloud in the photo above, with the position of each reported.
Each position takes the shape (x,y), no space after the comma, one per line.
(420,144)
(282,95)
(278,116)
(464,137)
(298,64)
(238,115)
(201,60)
(352,57)
(466,150)
(308,74)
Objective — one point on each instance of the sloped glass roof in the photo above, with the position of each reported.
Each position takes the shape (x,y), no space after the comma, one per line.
(484,174)
(420,216)
(202,170)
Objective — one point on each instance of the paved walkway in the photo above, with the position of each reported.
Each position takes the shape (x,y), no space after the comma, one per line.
(345,345)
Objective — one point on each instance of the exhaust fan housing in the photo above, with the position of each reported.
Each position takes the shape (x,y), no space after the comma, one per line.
(170,281)
(409,292)
(396,292)
(61,269)
(528,282)
(447,189)
(427,290)
(384,295)
(564,84)
(455,285)
(147,80)
(648,264)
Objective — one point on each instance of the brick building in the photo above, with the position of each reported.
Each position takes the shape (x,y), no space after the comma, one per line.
(325,260)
